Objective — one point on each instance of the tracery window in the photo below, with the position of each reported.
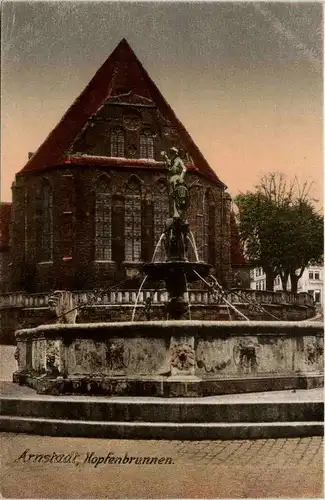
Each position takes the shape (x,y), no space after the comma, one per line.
(161,209)
(46,223)
(199,222)
(132,221)
(117,143)
(103,234)
(202,220)
(208,227)
(205,227)
(146,144)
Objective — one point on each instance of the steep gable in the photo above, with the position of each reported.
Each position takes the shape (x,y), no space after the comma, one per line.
(120,80)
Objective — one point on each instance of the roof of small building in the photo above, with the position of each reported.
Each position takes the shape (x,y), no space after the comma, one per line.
(5,213)
(120,69)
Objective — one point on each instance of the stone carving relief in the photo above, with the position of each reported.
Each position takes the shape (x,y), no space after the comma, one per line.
(314,350)
(212,366)
(207,358)
(132,122)
(170,132)
(246,355)
(117,355)
(94,360)
(182,356)
(17,355)
(132,151)
(61,302)
(52,358)
(80,353)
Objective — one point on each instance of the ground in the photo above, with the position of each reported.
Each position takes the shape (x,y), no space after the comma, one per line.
(199,469)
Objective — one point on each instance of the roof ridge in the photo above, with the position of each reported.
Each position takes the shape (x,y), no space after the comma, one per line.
(56,145)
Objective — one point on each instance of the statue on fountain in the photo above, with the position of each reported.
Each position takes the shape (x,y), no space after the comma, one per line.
(176,228)
(178,189)
(176,271)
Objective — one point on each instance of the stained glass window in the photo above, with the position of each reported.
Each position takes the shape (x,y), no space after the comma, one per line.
(146,144)
(103,243)
(132,221)
(117,143)
(46,223)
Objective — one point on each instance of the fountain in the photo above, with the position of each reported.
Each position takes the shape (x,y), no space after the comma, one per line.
(177,271)
(177,357)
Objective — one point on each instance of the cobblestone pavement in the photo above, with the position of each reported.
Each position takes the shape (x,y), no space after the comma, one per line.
(260,468)
(261,453)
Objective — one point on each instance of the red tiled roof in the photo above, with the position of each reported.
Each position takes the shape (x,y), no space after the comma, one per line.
(120,69)
(237,254)
(5,212)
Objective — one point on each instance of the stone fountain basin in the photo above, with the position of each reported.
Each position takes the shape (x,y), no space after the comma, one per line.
(166,270)
(170,358)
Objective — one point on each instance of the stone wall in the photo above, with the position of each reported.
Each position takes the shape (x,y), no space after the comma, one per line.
(138,358)
(5,271)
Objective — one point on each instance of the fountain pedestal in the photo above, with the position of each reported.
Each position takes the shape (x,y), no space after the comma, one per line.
(170,358)
(177,272)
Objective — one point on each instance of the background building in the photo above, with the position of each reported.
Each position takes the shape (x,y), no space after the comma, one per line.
(5,259)
(310,282)
(90,204)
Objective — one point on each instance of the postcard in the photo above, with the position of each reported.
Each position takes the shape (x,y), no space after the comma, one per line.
(161,250)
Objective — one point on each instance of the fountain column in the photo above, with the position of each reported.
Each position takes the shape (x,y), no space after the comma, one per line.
(176,271)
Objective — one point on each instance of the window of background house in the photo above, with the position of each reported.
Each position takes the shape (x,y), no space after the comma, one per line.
(316,276)
(317,296)
(311,275)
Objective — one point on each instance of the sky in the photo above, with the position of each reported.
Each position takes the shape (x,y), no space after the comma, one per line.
(245,79)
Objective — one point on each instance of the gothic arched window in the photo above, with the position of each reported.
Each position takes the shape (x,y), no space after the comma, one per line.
(146,144)
(160,209)
(199,235)
(203,223)
(197,218)
(132,221)
(208,227)
(46,223)
(103,234)
(117,143)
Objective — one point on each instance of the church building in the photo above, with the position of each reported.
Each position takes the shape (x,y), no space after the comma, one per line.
(89,206)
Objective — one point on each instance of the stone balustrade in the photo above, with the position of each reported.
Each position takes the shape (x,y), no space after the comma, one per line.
(130,297)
